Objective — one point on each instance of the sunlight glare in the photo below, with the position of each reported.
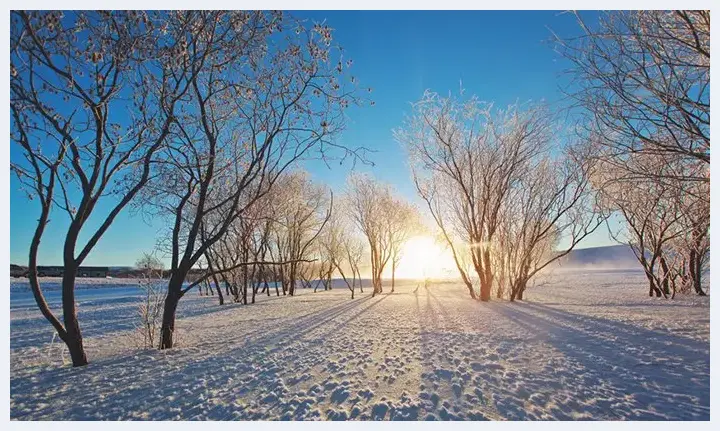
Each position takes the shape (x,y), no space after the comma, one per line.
(422,257)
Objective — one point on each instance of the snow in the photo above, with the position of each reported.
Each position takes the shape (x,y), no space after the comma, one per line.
(585,345)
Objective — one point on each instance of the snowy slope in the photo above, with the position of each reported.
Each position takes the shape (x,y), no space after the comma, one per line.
(584,346)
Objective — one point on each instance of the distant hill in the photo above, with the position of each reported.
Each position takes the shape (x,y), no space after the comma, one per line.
(608,257)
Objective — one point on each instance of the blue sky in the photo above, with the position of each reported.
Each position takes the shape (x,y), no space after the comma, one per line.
(500,56)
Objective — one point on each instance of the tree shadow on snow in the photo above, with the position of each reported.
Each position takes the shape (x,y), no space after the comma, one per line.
(639,373)
(524,361)
(163,387)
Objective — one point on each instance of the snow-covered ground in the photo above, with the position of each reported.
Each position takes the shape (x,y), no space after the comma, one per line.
(585,345)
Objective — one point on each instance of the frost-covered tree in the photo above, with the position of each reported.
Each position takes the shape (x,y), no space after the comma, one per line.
(341,246)
(403,222)
(151,304)
(354,249)
(235,259)
(642,79)
(666,230)
(92,102)
(331,251)
(301,217)
(374,208)
(553,201)
(693,243)
(498,196)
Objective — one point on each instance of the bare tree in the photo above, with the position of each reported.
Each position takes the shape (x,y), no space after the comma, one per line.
(233,258)
(332,251)
(649,213)
(499,196)
(403,222)
(437,194)
(342,248)
(305,210)
(643,81)
(151,305)
(553,201)
(92,103)
(355,250)
(693,243)
(369,204)
(666,230)
(477,154)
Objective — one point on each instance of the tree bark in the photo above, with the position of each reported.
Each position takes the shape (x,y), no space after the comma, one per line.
(392,283)
(217,286)
(267,285)
(33,274)
(73,335)
(486,281)
(654,290)
(666,276)
(695,273)
(171,302)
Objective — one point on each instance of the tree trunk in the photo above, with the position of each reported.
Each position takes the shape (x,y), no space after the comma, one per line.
(33,275)
(654,290)
(379,281)
(392,283)
(219,290)
(696,272)
(230,287)
(171,302)
(517,289)
(666,276)
(267,285)
(291,280)
(73,335)
(485,292)
(486,284)
(471,289)
(72,326)
(245,281)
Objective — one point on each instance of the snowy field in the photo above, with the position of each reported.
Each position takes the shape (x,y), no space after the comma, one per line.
(585,345)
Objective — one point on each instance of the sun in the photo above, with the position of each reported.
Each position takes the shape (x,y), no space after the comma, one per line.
(423,258)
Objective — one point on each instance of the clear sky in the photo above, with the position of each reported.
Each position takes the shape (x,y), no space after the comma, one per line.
(500,56)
